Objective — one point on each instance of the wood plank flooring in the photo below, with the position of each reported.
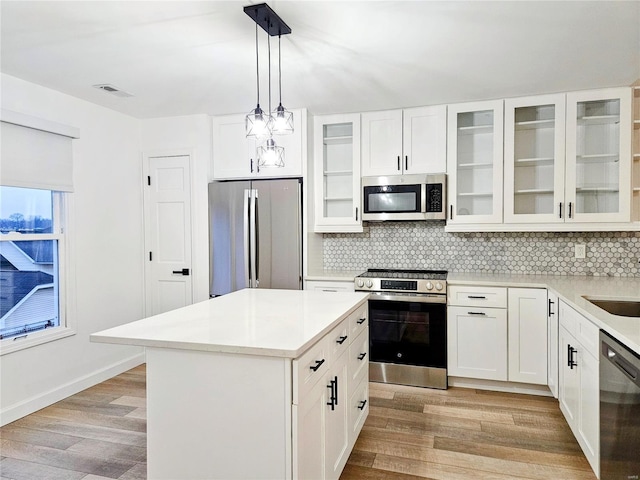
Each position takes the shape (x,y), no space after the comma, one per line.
(411,433)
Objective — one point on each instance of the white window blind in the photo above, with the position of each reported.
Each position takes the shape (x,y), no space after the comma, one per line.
(35,158)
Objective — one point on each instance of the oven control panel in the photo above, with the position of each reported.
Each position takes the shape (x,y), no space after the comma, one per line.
(387,285)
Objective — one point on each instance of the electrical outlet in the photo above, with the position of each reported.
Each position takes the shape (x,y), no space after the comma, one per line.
(580,250)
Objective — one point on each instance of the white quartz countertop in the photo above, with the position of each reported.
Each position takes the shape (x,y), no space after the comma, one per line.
(280,323)
(573,289)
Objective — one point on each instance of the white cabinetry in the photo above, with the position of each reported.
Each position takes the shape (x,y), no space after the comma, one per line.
(234,155)
(552,342)
(578,391)
(477,332)
(329,401)
(330,286)
(598,156)
(534,154)
(474,162)
(495,333)
(527,335)
(410,141)
(336,153)
(635,168)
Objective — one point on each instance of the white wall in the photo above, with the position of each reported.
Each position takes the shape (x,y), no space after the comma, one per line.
(190,134)
(106,243)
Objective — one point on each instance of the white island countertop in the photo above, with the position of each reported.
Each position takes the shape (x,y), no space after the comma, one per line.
(573,290)
(278,323)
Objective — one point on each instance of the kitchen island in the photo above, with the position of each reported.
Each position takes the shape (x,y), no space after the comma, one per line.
(255,384)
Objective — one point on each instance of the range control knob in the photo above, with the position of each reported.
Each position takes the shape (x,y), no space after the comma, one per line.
(369,284)
(429,286)
(438,286)
(360,283)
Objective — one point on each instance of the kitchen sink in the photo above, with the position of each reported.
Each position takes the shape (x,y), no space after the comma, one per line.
(620,307)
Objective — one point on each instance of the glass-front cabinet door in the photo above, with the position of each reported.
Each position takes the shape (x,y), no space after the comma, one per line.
(337,173)
(534,152)
(474,162)
(598,185)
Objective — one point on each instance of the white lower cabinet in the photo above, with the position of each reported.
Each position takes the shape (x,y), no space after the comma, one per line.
(527,335)
(578,382)
(327,395)
(477,342)
(506,340)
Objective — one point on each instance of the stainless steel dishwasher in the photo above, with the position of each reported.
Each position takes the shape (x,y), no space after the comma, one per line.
(619,411)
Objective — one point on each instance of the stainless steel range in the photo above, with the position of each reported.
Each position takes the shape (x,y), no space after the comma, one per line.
(407,326)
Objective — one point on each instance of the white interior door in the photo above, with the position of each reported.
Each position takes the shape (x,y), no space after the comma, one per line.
(168,233)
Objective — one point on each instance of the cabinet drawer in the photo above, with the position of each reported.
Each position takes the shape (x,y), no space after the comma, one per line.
(359,358)
(495,297)
(339,340)
(334,286)
(358,321)
(310,367)
(358,409)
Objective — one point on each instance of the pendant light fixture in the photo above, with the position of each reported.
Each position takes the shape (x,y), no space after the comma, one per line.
(258,123)
(281,117)
(270,154)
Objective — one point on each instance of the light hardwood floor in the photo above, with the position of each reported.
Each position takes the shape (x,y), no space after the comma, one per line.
(411,433)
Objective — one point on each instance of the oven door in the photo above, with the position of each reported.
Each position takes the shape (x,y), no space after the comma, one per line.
(408,333)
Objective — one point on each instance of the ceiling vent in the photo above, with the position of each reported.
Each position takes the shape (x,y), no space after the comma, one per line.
(105,87)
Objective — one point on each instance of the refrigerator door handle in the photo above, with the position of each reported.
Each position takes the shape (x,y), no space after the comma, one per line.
(247,252)
(252,238)
(256,234)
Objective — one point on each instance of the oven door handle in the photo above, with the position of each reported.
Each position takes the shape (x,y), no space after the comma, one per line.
(424,298)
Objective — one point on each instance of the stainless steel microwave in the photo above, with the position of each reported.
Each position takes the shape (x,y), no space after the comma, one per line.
(404,197)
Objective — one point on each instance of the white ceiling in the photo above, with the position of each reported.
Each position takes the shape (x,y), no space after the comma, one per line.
(187,57)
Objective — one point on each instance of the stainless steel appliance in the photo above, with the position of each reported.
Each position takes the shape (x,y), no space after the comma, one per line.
(404,197)
(619,411)
(255,233)
(407,326)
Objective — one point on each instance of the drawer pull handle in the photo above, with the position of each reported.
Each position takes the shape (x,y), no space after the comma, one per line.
(362,320)
(341,340)
(476,313)
(362,355)
(317,365)
(477,297)
(362,404)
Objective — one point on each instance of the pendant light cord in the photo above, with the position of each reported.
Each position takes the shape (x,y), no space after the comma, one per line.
(269,50)
(257,68)
(279,68)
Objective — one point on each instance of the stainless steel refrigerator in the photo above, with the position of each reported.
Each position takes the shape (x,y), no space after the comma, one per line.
(255,235)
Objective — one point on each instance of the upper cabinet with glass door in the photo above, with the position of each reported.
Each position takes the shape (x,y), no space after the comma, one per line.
(534,154)
(336,155)
(474,162)
(598,184)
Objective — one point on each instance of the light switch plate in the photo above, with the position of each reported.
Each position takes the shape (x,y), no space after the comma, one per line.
(580,250)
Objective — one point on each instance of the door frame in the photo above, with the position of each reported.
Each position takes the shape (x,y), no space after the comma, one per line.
(146,156)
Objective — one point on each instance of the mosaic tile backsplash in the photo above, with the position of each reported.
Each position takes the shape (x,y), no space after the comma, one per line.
(425,245)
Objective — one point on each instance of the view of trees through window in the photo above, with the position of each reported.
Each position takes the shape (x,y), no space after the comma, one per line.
(28,262)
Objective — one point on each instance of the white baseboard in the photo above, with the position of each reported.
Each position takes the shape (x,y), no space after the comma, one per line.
(33,404)
(497,386)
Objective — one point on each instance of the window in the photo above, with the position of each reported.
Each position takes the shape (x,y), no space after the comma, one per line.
(32,248)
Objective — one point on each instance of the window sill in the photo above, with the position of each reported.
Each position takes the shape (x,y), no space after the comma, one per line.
(18,343)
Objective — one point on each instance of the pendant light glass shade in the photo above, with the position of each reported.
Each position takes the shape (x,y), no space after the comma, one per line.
(257,123)
(282,121)
(270,154)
